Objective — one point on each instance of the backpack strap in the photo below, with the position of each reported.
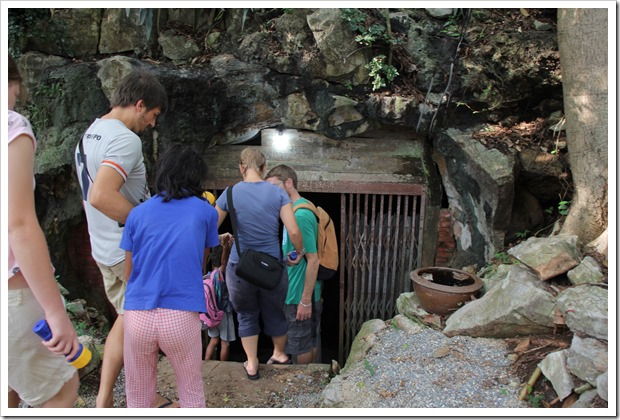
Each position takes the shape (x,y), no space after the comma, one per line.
(308,206)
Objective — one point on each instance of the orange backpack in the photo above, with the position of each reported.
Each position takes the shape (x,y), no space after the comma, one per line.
(327,244)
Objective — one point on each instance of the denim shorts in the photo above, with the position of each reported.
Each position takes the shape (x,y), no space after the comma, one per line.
(299,338)
(251,303)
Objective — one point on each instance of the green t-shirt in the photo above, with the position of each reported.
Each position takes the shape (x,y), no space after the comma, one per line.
(308,225)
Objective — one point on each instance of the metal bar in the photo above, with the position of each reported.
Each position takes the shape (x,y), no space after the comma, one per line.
(405,258)
(413,246)
(365,301)
(341,330)
(359,267)
(421,229)
(380,276)
(390,254)
(395,249)
(372,240)
(399,251)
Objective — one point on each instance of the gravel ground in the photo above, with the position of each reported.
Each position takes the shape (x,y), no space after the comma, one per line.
(428,369)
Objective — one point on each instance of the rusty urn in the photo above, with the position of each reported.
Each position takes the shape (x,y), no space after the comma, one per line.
(443,290)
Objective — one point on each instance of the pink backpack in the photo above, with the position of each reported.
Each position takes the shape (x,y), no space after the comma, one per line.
(213,316)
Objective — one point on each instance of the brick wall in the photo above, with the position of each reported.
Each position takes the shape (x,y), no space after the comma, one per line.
(446,243)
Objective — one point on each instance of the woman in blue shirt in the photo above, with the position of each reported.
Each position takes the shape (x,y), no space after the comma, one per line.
(165,239)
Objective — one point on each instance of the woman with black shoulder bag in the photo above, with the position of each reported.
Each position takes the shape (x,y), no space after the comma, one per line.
(256,210)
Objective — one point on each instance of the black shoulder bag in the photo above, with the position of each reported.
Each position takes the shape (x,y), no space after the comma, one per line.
(257,268)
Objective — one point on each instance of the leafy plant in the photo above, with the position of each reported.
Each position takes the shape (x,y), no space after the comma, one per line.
(451,28)
(535,400)
(503,258)
(380,67)
(81,328)
(380,71)
(523,234)
(563,207)
(374,33)
(355,18)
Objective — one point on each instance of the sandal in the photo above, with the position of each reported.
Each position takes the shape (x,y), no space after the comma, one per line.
(273,361)
(250,377)
(166,403)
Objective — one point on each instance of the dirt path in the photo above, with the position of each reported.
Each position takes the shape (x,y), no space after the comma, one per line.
(226,384)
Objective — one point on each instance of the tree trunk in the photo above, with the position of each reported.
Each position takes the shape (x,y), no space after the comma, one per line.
(583,45)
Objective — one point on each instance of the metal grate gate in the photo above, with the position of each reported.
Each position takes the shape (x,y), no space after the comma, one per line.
(381,246)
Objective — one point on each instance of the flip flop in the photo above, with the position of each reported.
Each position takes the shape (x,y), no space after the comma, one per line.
(273,361)
(251,377)
(166,404)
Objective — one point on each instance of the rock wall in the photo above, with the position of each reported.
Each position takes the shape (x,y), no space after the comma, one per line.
(230,76)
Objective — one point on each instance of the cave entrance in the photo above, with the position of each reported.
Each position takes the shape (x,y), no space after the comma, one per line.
(375,190)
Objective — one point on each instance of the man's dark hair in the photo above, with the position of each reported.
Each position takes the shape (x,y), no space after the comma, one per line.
(283,172)
(137,85)
(180,173)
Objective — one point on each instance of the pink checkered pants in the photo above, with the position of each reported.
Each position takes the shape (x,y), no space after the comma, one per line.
(178,334)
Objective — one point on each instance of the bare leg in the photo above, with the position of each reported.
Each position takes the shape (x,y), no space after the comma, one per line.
(111,364)
(210,351)
(14,399)
(305,358)
(67,395)
(278,348)
(250,346)
(225,351)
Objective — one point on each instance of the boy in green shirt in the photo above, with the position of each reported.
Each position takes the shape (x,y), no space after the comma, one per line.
(303,301)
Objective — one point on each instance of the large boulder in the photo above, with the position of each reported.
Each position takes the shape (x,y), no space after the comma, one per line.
(498,314)
(587,358)
(479,183)
(586,310)
(549,257)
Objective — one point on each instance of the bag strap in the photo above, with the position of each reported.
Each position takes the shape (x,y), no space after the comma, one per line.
(233,218)
(83,158)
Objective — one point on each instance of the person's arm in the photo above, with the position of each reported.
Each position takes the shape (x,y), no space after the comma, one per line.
(106,197)
(288,218)
(30,247)
(304,309)
(205,259)
(225,253)
(221,215)
(128,265)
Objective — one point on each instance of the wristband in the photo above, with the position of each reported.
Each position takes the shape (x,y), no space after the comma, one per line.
(305,305)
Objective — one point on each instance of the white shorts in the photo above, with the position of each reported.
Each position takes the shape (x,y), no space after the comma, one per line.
(226,329)
(115,284)
(35,373)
